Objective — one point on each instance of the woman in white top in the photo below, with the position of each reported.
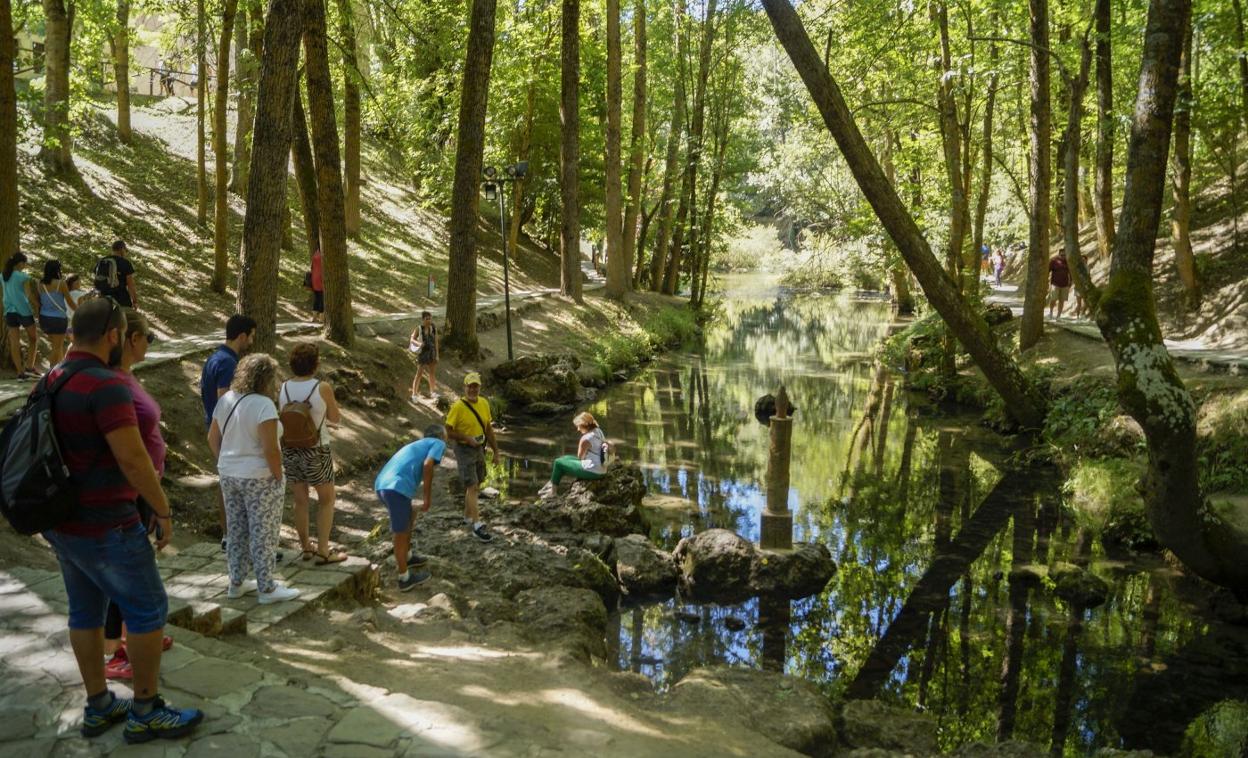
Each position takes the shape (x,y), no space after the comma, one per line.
(309,462)
(243,436)
(590,461)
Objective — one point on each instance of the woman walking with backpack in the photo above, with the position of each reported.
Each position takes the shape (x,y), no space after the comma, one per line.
(243,435)
(54,308)
(590,461)
(308,408)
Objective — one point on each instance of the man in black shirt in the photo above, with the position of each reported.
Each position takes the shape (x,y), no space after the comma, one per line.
(114,276)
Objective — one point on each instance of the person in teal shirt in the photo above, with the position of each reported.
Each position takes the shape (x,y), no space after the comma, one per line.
(19,313)
(396,484)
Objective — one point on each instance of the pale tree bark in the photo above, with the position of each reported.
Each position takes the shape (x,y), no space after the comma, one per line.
(57,148)
(1022,401)
(350,116)
(667,209)
(201,101)
(1037,279)
(618,283)
(1181,181)
(305,174)
(1103,198)
(9,210)
(266,191)
(119,42)
(339,320)
(1073,147)
(250,36)
(637,141)
(570,151)
(220,166)
(985,168)
(461,295)
(900,276)
(951,142)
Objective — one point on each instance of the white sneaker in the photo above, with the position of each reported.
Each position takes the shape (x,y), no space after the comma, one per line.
(415,398)
(547,490)
(280,594)
(238,590)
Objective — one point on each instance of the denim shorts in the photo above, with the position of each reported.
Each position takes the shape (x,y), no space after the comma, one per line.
(119,565)
(399,506)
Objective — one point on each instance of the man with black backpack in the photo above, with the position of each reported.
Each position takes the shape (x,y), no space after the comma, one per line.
(114,276)
(101,543)
(468,425)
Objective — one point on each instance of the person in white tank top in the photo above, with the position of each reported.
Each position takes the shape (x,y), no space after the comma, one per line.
(590,461)
(312,467)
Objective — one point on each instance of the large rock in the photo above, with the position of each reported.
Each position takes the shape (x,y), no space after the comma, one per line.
(622,485)
(528,365)
(802,571)
(574,619)
(785,710)
(872,724)
(643,569)
(609,506)
(715,565)
(547,383)
(1079,587)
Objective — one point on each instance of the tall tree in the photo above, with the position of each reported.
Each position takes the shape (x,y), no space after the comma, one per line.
(266,189)
(1037,281)
(1022,401)
(618,281)
(338,316)
(985,167)
(667,209)
(637,140)
(57,149)
(1237,33)
(250,37)
(201,85)
(220,166)
(119,44)
(1103,198)
(1072,142)
(305,174)
(350,115)
(461,282)
(569,151)
(8,135)
(951,142)
(1181,181)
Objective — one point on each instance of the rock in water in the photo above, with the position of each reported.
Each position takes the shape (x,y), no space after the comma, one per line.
(1080,587)
(643,569)
(715,565)
(575,619)
(872,724)
(791,574)
(786,710)
(765,408)
(622,485)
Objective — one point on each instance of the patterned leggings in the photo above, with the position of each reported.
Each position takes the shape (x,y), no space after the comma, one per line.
(253,521)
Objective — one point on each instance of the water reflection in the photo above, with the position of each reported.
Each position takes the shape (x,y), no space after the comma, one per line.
(939,535)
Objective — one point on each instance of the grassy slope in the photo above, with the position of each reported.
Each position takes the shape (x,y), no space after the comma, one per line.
(146,193)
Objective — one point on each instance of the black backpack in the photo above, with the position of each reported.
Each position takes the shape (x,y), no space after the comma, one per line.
(36,491)
(105,275)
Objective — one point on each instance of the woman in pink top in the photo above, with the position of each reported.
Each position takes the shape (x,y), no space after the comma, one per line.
(316,280)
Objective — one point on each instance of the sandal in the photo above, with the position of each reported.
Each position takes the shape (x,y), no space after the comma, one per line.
(307,555)
(325,560)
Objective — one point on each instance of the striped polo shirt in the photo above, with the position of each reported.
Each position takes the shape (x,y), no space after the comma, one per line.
(94,402)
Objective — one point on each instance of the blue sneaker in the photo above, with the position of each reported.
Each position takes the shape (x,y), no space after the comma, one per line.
(98,721)
(163,721)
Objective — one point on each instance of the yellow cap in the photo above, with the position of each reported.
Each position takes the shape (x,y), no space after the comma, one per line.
(472,378)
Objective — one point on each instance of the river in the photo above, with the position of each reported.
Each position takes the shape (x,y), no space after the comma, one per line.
(929,518)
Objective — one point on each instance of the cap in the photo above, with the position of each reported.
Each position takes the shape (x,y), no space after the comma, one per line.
(472,378)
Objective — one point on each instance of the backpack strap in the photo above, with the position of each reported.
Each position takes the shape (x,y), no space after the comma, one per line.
(230,415)
(308,400)
(474,413)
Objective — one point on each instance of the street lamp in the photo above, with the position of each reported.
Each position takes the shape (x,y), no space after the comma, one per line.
(492,188)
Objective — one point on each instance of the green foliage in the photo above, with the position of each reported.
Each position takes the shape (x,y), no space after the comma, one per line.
(858,264)
(1223,445)
(624,350)
(1079,415)
(1105,496)
(1220,731)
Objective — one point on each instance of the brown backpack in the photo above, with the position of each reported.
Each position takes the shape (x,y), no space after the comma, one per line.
(299,431)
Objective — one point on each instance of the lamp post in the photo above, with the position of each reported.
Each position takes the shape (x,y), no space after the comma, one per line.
(492,188)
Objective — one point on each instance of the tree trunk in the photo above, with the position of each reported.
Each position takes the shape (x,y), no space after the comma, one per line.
(985,170)
(570,150)
(305,174)
(523,147)
(951,141)
(1073,147)
(350,117)
(57,149)
(902,297)
(266,191)
(1181,181)
(1037,280)
(618,283)
(338,316)
(220,166)
(667,210)
(8,136)
(461,286)
(1022,402)
(637,142)
(1104,195)
(119,41)
(201,86)
(1237,34)
(251,37)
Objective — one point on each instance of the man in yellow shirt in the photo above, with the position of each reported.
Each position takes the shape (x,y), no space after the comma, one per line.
(468,426)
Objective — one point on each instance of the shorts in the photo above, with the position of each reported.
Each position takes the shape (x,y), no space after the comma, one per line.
(427,356)
(318,301)
(309,465)
(1058,294)
(119,565)
(15,320)
(54,325)
(471,464)
(399,506)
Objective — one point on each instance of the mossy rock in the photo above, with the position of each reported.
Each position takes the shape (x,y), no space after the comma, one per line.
(1221,730)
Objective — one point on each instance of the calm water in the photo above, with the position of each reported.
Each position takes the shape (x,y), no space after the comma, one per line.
(926,515)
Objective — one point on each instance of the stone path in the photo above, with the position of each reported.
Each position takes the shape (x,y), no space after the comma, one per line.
(1195,350)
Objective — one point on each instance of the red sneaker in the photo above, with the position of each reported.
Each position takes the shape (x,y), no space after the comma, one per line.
(118,667)
(166,642)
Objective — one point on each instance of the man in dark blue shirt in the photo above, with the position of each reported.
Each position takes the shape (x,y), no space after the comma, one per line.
(218,372)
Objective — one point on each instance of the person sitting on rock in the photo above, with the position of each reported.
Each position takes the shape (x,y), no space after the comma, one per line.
(396,484)
(590,461)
